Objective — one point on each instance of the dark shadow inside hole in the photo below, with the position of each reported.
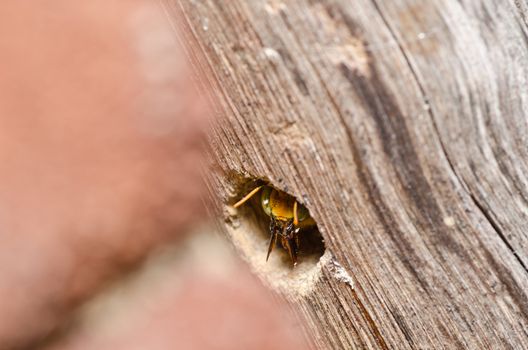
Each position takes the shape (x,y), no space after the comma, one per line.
(311,242)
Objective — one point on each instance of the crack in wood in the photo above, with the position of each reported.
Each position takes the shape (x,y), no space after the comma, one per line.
(377,334)
(412,69)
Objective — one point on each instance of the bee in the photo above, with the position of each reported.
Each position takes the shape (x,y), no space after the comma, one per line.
(287,218)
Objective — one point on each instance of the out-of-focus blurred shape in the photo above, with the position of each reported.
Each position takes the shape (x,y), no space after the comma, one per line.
(100,134)
(194,295)
(100,149)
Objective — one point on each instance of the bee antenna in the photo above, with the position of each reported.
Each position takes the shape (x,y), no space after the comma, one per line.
(247,197)
(295,217)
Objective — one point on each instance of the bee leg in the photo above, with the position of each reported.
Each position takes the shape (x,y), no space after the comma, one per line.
(289,241)
(291,247)
(273,237)
(296,235)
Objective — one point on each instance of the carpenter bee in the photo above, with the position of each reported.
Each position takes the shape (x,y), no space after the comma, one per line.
(287,216)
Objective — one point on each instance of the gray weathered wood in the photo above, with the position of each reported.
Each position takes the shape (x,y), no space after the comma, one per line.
(402,125)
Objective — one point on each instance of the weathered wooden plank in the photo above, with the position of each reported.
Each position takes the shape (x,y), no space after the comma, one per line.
(402,127)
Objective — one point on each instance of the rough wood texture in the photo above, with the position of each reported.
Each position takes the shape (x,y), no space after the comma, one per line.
(402,125)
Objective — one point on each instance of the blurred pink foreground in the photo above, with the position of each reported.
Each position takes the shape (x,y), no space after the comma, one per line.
(100,151)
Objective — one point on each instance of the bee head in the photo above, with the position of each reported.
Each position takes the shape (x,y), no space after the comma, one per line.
(280,205)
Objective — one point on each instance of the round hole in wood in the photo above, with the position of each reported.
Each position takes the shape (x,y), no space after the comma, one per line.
(249,229)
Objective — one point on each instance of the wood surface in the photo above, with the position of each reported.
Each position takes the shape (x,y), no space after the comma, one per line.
(402,126)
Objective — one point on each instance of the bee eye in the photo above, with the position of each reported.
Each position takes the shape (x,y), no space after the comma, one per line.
(302,212)
(265,200)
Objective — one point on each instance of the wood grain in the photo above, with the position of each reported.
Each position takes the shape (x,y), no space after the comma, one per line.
(402,126)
